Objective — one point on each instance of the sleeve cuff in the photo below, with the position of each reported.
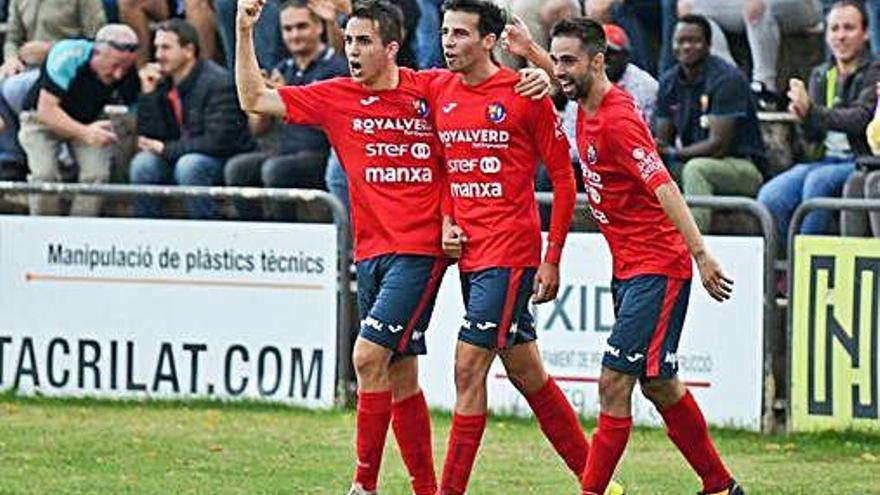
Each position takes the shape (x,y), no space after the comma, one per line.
(553,254)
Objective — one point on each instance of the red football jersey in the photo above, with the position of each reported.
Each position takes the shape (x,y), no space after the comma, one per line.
(386,143)
(622,170)
(492,141)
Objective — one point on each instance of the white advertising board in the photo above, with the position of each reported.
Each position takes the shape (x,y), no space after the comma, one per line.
(168,309)
(720,354)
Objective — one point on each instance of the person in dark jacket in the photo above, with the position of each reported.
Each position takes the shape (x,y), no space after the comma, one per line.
(300,159)
(189,121)
(835,112)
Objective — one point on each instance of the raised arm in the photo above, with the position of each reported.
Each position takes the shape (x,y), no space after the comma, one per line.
(518,41)
(253,95)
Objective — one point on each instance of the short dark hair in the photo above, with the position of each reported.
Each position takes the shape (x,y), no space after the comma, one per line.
(299,4)
(589,32)
(492,18)
(384,13)
(839,4)
(700,22)
(186,32)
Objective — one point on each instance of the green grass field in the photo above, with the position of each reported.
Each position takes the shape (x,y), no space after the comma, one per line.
(90,447)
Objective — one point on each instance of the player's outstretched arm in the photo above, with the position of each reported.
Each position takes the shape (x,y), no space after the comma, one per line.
(717,284)
(518,41)
(253,94)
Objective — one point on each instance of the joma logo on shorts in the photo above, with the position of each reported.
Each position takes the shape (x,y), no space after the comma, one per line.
(372,323)
(611,350)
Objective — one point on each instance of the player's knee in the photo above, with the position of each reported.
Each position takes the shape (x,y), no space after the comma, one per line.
(526,377)
(470,379)
(368,364)
(404,377)
(614,391)
(661,392)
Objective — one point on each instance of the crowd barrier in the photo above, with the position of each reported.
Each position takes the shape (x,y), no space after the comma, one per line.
(833,325)
(777,386)
(340,256)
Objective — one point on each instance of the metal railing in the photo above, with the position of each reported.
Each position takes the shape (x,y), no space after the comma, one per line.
(835,204)
(770,306)
(344,293)
(340,216)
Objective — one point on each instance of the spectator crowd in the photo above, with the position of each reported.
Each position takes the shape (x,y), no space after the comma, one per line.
(73,71)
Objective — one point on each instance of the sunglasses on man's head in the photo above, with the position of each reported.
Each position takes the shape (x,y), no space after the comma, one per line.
(123,47)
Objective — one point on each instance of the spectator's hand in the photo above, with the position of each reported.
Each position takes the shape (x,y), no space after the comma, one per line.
(453,240)
(152,145)
(533,83)
(516,38)
(11,67)
(34,53)
(150,75)
(325,9)
(248,13)
(100,134)
(717,284)
(799,98)
(546,283)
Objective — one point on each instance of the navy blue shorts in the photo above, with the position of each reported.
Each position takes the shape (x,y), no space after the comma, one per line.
(649,314)
(496,302)
(396,295)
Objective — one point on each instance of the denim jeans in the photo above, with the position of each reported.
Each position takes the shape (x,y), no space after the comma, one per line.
(337,182)
(192,169)
(785,192)
(428,50)
(267,33)
(629,15)
(668,19)
(261,169)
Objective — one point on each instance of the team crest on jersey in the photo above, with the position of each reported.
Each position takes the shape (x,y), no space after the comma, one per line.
(496,112)
(421,107)
(592,155)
